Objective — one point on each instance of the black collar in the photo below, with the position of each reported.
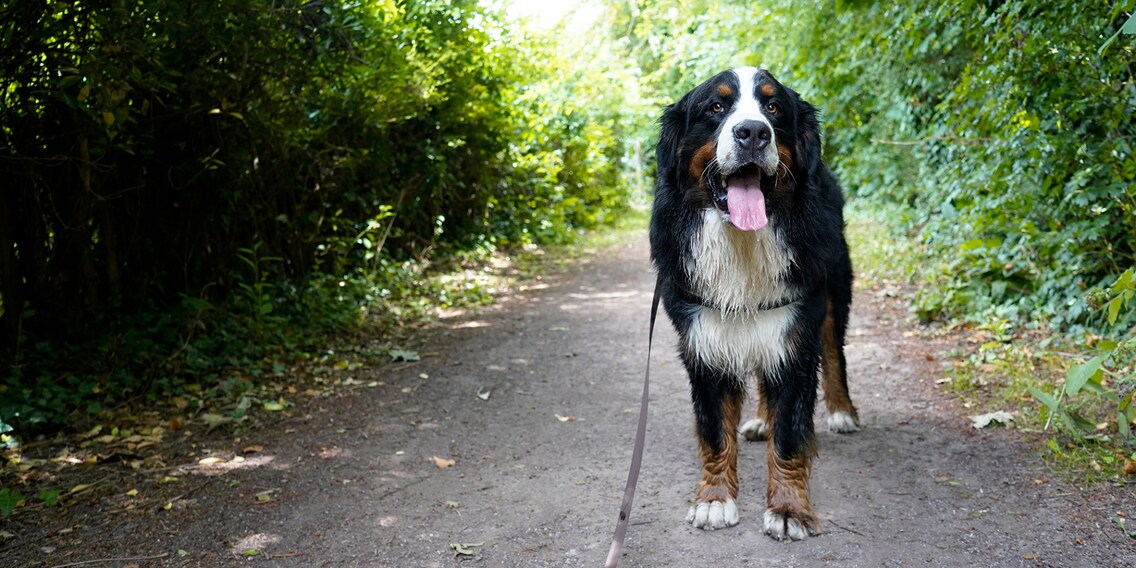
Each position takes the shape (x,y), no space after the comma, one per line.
(692,298)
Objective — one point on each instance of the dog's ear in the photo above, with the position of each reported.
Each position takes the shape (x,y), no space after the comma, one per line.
(672,126)
(808,136)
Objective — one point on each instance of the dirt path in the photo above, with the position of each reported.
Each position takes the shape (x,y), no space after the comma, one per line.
(353,482)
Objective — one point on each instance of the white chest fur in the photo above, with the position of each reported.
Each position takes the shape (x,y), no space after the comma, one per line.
(734,271)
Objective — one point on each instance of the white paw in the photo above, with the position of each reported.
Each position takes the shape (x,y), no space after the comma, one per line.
(782,527)
(842,422)
(713,515)
(755,429)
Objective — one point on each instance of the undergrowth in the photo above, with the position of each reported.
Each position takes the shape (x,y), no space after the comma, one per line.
(1073,390)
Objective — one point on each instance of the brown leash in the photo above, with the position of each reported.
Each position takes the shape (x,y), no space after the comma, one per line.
(616,550)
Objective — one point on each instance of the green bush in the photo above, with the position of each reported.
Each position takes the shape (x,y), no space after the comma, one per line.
(189,183)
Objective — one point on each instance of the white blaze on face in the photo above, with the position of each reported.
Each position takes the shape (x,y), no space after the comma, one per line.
(747,108)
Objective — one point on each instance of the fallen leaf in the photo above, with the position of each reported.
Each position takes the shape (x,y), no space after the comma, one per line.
(215,420)
(264,496)
(253,449)
(250,552)
(1129,467)
(465,549)
(565,418)
(483,394)
(210,461)
(443,463)
(423,376)
(451,504)
(273,406)
(400,355)
(372,384)
(79,488)
(983,420)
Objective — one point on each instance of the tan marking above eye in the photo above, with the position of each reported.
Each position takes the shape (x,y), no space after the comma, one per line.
(768,90)
(725,90)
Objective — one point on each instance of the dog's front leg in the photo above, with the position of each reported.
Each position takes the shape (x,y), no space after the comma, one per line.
(790,402)
(717,410)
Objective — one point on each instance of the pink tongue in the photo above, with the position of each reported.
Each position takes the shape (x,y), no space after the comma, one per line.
(746,203)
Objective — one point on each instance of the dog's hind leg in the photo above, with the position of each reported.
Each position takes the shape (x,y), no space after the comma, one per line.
(717,410)
(757,428)
(792,445)
(842,416)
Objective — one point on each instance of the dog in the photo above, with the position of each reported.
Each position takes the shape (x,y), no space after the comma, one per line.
(747,237)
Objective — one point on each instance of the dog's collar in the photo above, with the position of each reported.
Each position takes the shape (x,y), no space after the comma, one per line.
(691,297)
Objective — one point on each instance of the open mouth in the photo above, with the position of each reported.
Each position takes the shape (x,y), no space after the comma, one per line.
(740,196)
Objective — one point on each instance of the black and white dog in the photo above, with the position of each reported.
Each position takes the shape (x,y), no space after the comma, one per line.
(747,234)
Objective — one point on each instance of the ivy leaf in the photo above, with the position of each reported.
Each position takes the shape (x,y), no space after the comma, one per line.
(8,501)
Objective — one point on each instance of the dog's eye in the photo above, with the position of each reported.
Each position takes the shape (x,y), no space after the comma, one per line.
(717,108)
(773,108)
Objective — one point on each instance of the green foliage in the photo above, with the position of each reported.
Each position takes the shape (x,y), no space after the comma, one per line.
(197,191)
(1019,166)
(9,499)
(49,497)
(1107,377)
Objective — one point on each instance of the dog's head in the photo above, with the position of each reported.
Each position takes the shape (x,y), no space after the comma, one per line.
(738,140)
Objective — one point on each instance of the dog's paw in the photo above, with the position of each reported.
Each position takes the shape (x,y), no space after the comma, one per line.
(713,515)
(783,526)
(755,429)
(843,423)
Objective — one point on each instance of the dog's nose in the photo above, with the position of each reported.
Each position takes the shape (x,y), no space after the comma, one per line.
(753,134)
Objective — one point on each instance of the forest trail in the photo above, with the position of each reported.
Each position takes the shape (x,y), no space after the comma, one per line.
(540,459)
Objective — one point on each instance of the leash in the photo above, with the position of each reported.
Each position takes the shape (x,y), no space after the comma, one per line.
(616,550)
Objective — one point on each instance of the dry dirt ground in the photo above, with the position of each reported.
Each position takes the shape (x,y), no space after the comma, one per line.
(540,458)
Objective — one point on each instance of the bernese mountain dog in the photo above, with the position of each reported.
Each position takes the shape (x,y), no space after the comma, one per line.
(747,236)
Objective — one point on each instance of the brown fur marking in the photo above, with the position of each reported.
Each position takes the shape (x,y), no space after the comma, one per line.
(725,91)
(699,160)
(836,398)
(768,90)
(788,491)
(786,157)
(720,469)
